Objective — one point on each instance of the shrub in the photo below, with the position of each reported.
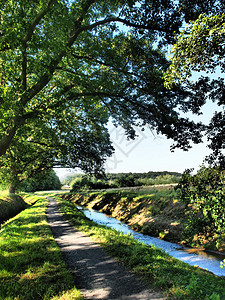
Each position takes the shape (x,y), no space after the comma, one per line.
(89,183)
(204,193)
(125,181)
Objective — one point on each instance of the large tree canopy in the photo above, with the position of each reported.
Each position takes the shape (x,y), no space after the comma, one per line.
(201,48)
(67,66)
(73,141)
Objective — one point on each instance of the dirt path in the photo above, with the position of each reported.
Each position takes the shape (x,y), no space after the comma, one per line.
(97,275)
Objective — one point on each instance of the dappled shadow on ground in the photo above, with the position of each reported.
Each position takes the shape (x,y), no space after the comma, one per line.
(96,274)
(31,265)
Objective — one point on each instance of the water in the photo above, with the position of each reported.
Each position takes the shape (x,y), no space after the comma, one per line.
(193,257)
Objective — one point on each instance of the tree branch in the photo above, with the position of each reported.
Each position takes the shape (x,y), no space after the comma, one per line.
(100,62)
(44,80)
(7,138)
(24,59)
(47,145)
(150,26)
(36,21)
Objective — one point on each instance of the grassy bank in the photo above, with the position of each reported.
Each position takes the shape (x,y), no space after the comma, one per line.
(10,205)
(152,211)
(31,266)
(177,279)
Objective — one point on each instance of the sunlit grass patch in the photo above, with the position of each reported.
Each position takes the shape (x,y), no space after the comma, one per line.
(31,266)
(178,279)
(68,295)
(30,198)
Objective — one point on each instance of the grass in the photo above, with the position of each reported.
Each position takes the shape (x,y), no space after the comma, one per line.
(155,212)
(10,205)
(177,279)
(31,265)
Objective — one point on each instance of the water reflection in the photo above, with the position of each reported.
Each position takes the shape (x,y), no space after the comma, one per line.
(193,257)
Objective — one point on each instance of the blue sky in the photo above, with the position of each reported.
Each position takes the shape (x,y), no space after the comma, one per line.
(148,153)
(151,152)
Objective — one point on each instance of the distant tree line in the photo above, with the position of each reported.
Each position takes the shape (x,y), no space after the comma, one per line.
(150,174)
(114,180)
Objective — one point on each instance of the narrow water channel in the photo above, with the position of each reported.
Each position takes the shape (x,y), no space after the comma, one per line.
(203,259)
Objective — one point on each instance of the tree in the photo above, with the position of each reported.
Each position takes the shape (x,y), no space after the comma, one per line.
(55,53)
(43,181)
(66,67)
(26,157)
(200,48)
(204,194)
(72,143)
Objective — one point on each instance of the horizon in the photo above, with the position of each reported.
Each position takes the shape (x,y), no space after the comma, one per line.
(147,153)
(151,152)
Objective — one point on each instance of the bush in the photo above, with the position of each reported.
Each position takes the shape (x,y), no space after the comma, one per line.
(88,183)
(204,193)
(125,181)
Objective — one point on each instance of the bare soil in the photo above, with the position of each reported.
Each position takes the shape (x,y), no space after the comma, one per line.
(96,274)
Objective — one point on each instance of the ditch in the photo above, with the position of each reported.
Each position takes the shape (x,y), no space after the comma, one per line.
(204,259)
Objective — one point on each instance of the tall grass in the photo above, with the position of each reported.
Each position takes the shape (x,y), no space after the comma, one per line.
(31,266)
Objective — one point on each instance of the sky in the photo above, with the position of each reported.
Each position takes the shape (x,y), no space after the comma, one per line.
(151,152)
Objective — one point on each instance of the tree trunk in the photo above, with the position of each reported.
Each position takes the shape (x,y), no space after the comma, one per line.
(6,140)
(12,189)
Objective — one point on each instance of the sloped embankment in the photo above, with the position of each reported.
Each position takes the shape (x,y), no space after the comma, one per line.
(10,205)
(157,213)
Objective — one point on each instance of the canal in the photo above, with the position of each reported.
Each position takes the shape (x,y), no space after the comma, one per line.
(203,259)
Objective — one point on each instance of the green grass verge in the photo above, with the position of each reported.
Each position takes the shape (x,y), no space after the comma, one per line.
(31,265)
(177,279)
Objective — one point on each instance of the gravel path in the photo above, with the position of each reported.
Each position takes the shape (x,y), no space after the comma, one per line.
(97,275)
